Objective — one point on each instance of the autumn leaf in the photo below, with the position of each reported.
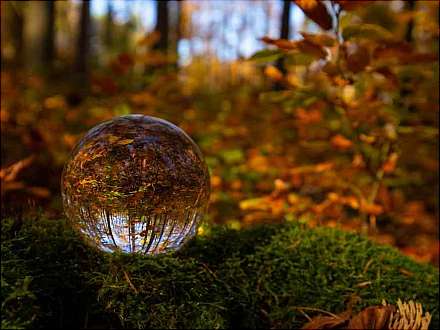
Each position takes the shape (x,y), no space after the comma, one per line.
(216,181)
(316,11)
(280,43)
(402,52)
(320,39)
(261,203)
(349,4)
(40,192)
(390,164)
(340,142)
(112,138)
(55,102)
(386,317)
(357,56)
(125,141)
(367,31)
(370,208)
(389,75)
(309,47)
(306,46)
(375,317)
(9,173)
(273,73)
(149,39)
(266,55)
(125,59)
(328,322)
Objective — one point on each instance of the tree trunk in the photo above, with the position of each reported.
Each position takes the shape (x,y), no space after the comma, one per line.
(82,51)
(284,34)
(17,31)
(285,20)
(410,5)
(49,37)
(108,36)
(162,25)
(177,33)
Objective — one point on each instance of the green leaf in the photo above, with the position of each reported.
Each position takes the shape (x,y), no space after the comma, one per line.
(232,156)
(299,59)
(368,31)
(266,55)
(122,109)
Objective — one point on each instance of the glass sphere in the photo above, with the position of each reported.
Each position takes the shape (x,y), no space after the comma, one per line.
(136,184)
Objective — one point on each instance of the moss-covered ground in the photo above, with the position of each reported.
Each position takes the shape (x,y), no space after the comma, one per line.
(251,278)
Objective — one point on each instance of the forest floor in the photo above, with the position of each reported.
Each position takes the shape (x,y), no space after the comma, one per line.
(275,276)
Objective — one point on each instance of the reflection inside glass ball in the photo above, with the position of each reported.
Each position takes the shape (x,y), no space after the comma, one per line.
(136,184)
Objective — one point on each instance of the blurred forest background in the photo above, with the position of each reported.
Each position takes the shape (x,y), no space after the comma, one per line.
(320,112)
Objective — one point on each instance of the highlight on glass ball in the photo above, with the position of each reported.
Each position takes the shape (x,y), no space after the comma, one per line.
(136,184)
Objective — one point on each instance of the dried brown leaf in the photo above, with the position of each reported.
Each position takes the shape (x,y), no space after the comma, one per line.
(304,46)
(357,56)
(9,173)
(402,52)
(320,39)
(326,322)
(349,4)
(375,317)
(316,11)
(41,192)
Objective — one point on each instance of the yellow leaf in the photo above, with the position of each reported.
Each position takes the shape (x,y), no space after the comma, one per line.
(255,204)
(273,73)
(112,139)
(125,141)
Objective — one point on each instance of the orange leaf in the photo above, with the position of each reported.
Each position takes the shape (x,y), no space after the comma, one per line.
(10,173)
(340,142)
(373,209)
(316,11)
(375,317)
(357,56)
(39,192)
(273,73)
(390,164)
(308,117)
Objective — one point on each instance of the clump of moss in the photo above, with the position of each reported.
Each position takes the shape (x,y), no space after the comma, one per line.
(251,278)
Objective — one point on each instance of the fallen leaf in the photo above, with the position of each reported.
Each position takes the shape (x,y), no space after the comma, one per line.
(390,164)
(326,322)
(10,173)
(340,142)
(371,208)
(375,317)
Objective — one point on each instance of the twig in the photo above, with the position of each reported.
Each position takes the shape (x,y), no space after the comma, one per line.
(130,283)
(315,310)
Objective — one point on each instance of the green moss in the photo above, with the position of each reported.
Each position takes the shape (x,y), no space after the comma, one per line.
(251,278)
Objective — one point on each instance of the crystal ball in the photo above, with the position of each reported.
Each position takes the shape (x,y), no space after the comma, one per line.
(136,184)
